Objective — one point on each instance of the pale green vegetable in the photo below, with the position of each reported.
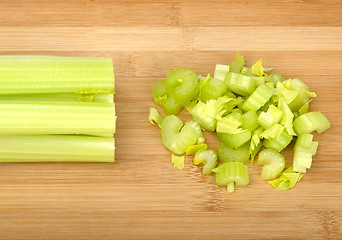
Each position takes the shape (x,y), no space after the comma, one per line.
(311,121)
(271,117)
(177,161)
(177,136)
(257,68)
(155,117)
(51,148)
(287,180)
(304,149)
(235,140)
(238,63)
(190,150)
(228,154)
(208,157)
(231,174)
(240,84)
(273,164)
(221,72)
(258,98)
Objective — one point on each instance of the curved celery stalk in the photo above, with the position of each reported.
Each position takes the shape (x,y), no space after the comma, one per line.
(273,163)
(279,143)
(177,137)
(190,150)
(311,121)
(232,174)
(257,99)
(240,84)
(50,74)
(179,88)
(235,140)
(51,148)
(36,117)
(177,161)
(207,157)
(228,154)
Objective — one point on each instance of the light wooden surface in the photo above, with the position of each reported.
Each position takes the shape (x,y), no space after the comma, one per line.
(141,196)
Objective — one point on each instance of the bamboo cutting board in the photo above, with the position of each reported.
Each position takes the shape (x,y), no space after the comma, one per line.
(141,196)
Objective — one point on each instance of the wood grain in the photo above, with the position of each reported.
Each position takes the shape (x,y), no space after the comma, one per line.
(141,196)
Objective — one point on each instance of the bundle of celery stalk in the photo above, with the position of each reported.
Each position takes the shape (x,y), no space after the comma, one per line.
(56,109)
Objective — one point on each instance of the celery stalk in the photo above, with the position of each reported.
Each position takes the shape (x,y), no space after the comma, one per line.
(49,148)
(50,74)
(37,117)
(273,163)
(208,157)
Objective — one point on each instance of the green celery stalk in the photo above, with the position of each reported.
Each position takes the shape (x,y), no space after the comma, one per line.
(51,74)
(50,148)
(36,117)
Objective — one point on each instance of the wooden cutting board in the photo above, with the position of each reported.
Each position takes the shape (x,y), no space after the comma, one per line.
(141,196)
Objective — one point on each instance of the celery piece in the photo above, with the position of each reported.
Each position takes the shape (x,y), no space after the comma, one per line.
(304,149)
(191,150)
(177,137)
(221,72)
(287,117)
(255,143)
(177,161)
(305,108)
(235,140)
(179,88)
(257,68)
(240,84)
(231,174)
(273,132)
(250,121)
(228,154)
(303,93)
(211,89)
(311,121)
(271,117)
(37,117)
(228,124)
(279,143)
(273,163)
(155,117)
(52,148)
(287,180)
(63,97)
(229,94)
(51,74)
(257,99)
(208,157)
(237,64)
(275,77)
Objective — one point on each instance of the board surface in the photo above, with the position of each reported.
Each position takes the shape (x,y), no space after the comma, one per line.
(141,196)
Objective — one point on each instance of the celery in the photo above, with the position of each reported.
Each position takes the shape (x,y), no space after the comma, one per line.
(50,74)
(211,89)
(179,88)
(177,137)
(177,161)
(190,150)
(250,121)
(257,68)
(258,98)
(287,180)
(256,143)
(304,149)
(271,117)
(208,157)
(273,163)
(221,72)
(240,84)
(228,124)
(309,122)
(280,142)
(235,140)
(49,148)
(230,174)
(238,63)
(155,117)
(38,117)
(228,154)
(287,117)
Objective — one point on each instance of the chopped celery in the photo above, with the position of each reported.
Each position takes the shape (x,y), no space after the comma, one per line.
(273,163)
(257,68)
(287,117)
(208,157)
(303,93)
(271,117)
(50,148)
(275,77)
(38,117)
(190,150)
(51,74)
(312,121)
(155,117)
(211,88)
(273,132)
(228,124)
(228,154)
(177,137)
(238,63)
(304,149)
(256,143)
(240,84)
(280,142)
(287,180)
(177,161)
(250,121)
(235,140)
(221,72)
(231,174)
(179,88)
(258,98)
